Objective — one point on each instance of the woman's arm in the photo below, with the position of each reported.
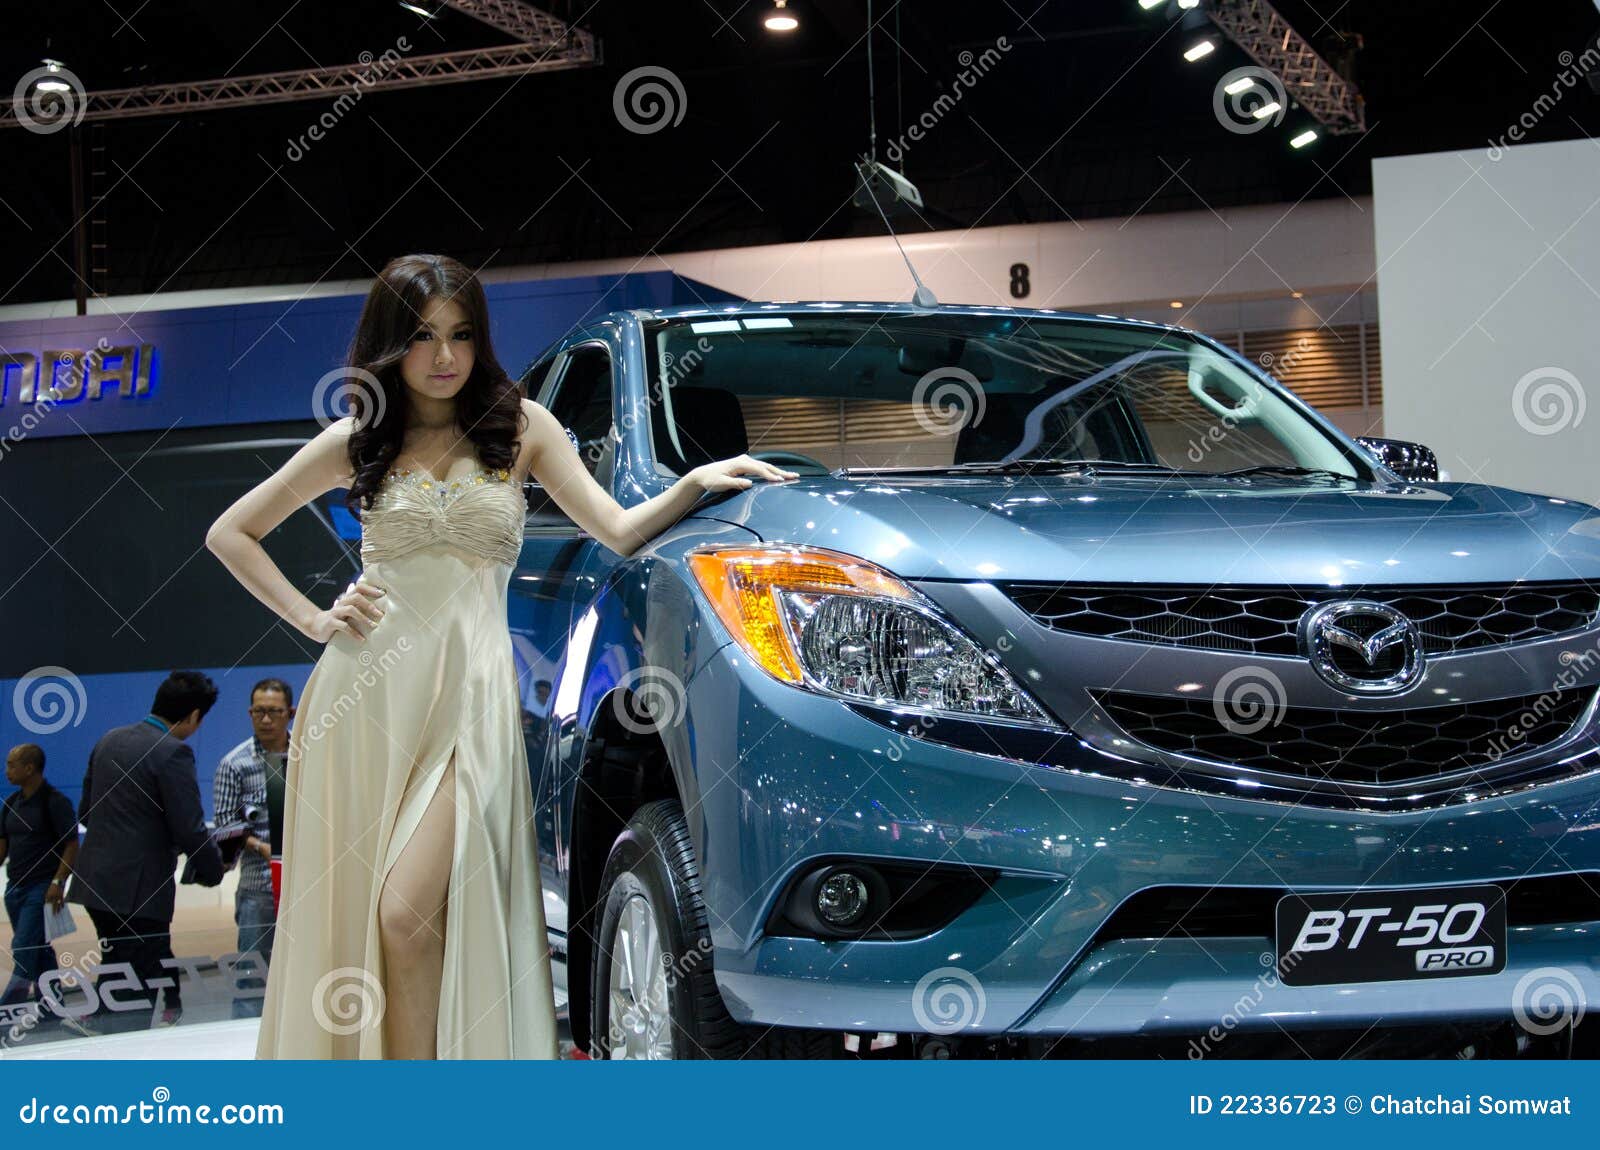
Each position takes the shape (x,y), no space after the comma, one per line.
(554,464)
(235,538)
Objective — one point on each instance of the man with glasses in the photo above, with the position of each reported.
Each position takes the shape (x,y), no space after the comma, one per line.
(248,788)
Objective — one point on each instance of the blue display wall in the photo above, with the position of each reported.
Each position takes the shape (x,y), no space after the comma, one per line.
(68,468)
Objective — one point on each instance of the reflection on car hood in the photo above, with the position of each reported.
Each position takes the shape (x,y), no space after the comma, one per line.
(1142,530)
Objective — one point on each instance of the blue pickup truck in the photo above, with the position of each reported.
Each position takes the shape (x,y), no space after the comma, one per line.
(1087,688)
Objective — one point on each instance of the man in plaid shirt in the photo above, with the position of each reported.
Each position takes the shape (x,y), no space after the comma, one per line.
(242,785)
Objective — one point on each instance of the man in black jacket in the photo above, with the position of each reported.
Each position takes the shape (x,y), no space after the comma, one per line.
(141,809)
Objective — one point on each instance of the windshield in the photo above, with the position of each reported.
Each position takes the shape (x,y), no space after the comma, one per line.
(818,393)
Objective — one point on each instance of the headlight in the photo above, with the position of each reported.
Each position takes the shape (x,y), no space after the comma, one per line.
(837,624)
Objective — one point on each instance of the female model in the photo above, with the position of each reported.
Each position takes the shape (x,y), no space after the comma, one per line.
(412,921)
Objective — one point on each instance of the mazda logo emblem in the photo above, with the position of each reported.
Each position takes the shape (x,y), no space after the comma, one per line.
(1362,646)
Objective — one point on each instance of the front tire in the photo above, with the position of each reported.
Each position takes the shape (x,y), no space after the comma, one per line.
(652,990)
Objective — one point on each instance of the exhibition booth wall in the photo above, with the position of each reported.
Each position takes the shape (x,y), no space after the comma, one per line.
(200,404)
(1489,265)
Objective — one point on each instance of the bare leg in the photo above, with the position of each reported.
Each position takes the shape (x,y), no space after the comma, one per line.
(411,919)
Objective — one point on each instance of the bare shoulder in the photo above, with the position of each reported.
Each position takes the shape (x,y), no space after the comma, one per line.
(542,430)
(329,451)
(537,413)
(322,463)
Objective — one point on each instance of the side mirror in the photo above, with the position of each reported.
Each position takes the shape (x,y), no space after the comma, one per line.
(1410,461)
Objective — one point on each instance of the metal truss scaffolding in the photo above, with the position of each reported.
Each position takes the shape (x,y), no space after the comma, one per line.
(546,44)
(1266,37)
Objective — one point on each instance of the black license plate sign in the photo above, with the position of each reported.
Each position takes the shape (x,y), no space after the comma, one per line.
(1378,935)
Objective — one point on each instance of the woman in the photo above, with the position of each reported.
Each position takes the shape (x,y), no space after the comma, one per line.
(411,923)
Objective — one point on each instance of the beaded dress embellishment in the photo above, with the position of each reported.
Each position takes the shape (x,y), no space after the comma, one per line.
(447,491)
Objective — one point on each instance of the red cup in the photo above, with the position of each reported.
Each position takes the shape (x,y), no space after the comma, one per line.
(277,882)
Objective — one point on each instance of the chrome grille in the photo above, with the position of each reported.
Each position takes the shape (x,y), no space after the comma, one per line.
(1262,620)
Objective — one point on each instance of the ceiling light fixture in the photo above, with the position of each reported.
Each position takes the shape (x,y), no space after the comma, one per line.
(780,19)
(48,85)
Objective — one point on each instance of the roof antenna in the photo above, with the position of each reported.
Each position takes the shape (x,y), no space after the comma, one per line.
(901,191)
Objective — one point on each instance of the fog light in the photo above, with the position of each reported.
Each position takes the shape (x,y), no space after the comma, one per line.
(841,898)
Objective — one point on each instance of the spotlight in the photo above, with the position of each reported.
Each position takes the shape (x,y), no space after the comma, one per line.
(1149,4)
(1303,138)
(49,85)
(427,9)
(1186,4)
(1270,108)
(1176,304)
(1200,50)
(1242,84)
(780,19)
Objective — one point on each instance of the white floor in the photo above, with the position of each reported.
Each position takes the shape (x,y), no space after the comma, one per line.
(203,1041)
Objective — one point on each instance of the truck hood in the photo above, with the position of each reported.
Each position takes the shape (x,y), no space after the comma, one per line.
(1142,530)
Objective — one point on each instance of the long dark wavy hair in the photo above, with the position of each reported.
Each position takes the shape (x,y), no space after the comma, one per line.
(488,406)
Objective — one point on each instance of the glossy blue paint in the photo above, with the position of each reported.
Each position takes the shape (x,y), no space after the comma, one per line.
(1117,530)
(772,776)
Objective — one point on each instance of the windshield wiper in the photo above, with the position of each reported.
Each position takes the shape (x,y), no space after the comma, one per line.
(1044,466)
(1289,470)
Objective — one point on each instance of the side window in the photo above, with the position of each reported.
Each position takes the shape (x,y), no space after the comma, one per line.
(582,404)
(533,378)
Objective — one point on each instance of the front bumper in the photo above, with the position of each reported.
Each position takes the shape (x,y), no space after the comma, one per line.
(776,777)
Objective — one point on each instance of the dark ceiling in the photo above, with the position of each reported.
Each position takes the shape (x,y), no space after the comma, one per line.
(1091,112)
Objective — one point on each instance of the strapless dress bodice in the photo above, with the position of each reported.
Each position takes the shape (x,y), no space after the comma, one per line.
(480,514)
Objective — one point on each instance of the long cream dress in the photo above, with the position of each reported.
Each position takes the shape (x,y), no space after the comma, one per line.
(376,725)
